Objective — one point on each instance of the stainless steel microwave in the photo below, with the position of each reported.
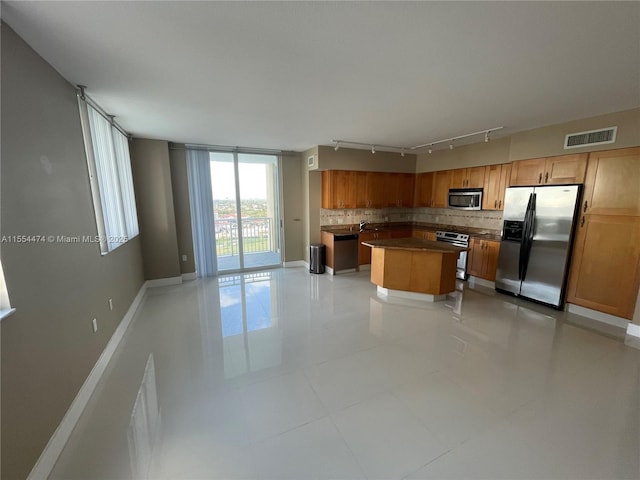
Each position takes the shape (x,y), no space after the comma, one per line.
(465,198)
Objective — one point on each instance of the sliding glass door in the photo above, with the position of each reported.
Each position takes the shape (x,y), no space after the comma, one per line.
(246,210)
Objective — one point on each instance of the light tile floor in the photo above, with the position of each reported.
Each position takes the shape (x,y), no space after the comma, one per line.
(287,375)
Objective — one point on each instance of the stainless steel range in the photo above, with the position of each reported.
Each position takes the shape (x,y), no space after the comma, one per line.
(459,240)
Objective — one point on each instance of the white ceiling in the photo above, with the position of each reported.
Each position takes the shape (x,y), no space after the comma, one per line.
(295,74)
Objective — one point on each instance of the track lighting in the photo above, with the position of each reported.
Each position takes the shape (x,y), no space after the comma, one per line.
(430,145)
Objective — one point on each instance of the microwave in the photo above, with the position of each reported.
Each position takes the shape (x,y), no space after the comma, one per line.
(465,198)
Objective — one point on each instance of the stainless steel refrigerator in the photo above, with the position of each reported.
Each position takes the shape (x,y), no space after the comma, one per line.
(537,233)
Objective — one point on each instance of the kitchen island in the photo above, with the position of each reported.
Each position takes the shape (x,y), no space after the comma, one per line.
(413,267)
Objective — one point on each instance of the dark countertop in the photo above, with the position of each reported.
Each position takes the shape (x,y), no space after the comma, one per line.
(481,233)
(415,244)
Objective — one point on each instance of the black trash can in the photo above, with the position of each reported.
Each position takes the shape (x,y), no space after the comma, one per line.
(317,252)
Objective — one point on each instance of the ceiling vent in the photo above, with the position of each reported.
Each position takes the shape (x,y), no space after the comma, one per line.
(592,137)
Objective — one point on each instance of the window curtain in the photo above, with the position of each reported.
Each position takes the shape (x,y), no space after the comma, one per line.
(201,203)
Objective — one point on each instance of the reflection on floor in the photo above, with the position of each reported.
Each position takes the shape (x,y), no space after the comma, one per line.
(288,375)
(251,260)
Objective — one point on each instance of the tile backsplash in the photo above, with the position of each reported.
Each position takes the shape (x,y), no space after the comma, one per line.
(487,219)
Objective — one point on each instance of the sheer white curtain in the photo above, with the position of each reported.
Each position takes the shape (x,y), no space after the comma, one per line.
(202,221)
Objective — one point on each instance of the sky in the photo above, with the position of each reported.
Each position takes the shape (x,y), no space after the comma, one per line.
(253,182)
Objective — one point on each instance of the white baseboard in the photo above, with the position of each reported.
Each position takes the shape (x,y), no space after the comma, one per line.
(295,263)
(425,297)
(163,282)
(599,316)
(364,268)
(187,277)
(49,456)
(633,330)
(473,281)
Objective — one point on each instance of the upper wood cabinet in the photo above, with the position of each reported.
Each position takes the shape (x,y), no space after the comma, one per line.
(612,185)
(440,194)
(496,180)
(605,270)
(356,189)
(424,190)
(564,169)
(338,189)
(467,177)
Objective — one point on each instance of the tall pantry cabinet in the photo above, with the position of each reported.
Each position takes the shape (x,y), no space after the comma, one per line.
(605,271)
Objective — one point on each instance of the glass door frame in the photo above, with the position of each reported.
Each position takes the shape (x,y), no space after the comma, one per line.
(278,198)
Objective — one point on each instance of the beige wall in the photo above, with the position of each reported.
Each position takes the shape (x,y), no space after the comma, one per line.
(182,210)
(154,199)
(549,141)
(292,210)
(357,159)
(540,142)
(477,154)
(48,345)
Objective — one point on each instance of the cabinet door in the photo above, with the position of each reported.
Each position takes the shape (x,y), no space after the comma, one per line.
(491,192)
(475,257)
(364,253)
(440,188)
(565,169)
(605,272)
(344,189)
(424,189)
(490,259)
(407,185)
(527,172)
(505,177)
(475,177)
(612,186)
(399,233)
(362,193)
(376,188)
(458,178)
(327,195)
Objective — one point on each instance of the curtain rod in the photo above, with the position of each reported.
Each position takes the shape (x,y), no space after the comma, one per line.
(224,148)
(110,118)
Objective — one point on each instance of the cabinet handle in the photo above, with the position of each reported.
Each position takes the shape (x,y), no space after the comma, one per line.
(499,203)
(495,204)
(584,209)
(546,177)
(582,222)
(540,178)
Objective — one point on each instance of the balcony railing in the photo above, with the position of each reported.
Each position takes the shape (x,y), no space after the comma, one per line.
(256,235)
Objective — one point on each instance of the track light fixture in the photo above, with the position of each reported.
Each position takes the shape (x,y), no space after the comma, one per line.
(430,145)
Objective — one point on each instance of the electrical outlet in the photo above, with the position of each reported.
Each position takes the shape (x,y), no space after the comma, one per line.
(95,325)
(184,258)
(111,304)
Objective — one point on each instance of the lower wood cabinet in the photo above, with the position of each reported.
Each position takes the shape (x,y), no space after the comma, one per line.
(424,235)
(482,261)
(605,270)
(364,253)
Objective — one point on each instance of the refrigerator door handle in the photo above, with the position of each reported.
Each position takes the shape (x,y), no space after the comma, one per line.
(527,237)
